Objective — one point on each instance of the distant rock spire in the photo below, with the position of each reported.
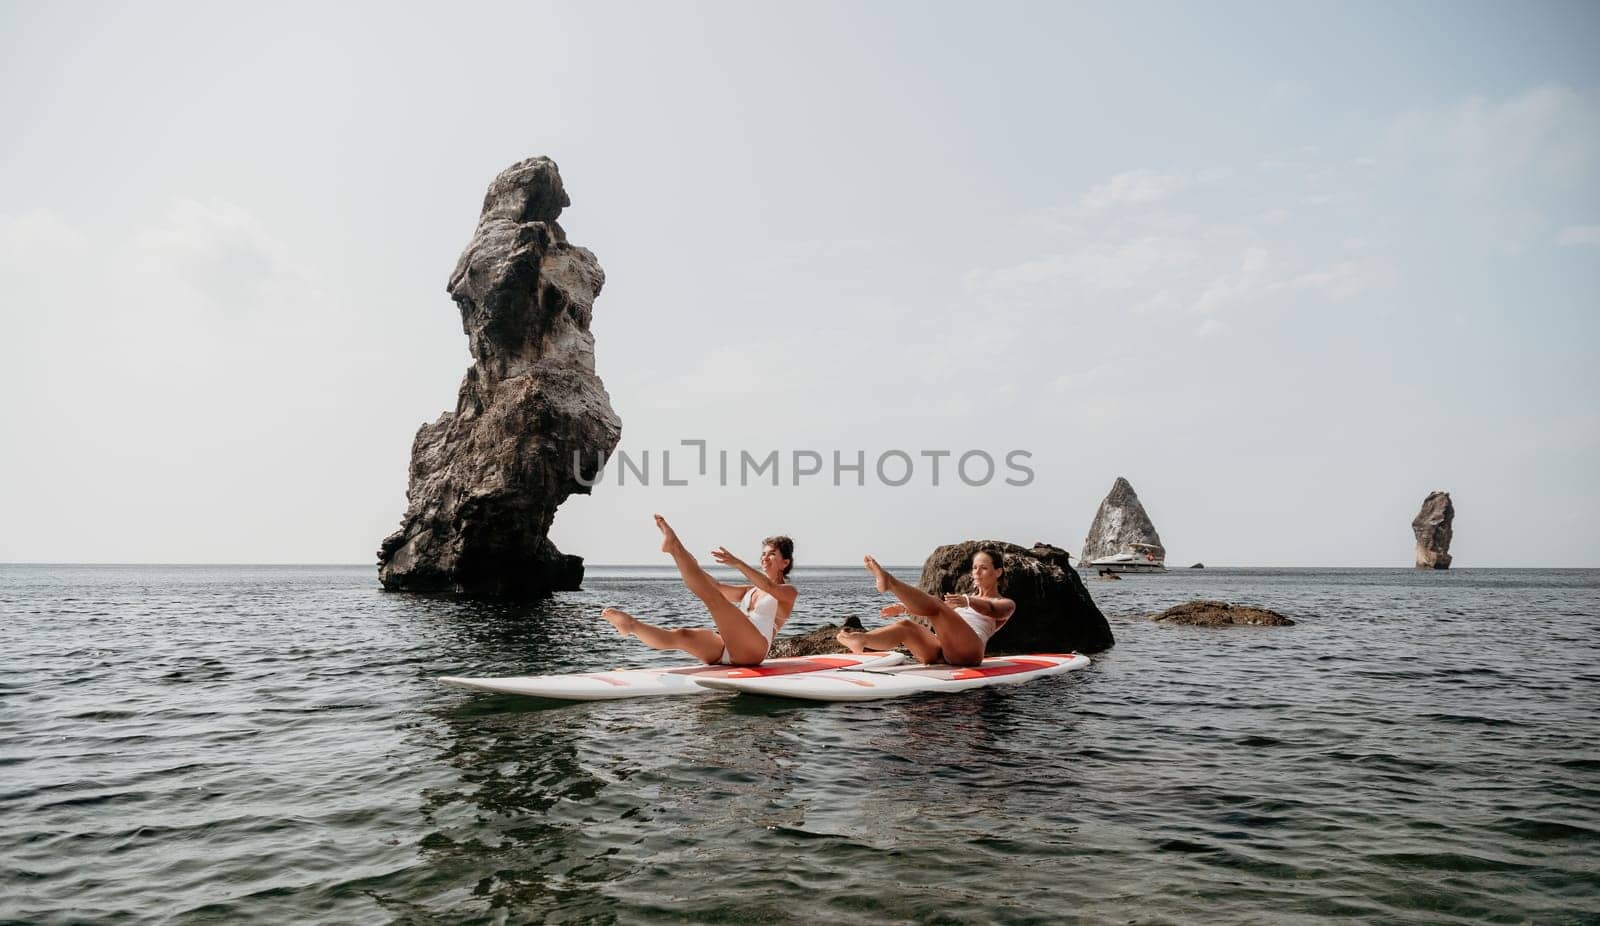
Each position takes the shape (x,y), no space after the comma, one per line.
(1432,527)
(1120,523)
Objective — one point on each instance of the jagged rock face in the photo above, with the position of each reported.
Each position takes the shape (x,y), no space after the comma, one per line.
(1054,611)
(487,478)
(1221,614)
(1121,521)
(1432,529)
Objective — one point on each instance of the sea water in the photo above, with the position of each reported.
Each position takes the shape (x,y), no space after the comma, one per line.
(268,745)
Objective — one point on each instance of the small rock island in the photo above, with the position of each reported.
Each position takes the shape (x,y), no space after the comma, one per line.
(1432,527)
(1221,614)
(532,423)
(1122,537)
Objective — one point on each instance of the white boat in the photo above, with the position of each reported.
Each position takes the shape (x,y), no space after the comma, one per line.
(1139,557)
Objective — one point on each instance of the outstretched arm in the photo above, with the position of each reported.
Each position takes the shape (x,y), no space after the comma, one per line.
(997,608)
(784,593)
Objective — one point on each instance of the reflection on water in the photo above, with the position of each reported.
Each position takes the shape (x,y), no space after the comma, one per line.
(509,833)
(503,833)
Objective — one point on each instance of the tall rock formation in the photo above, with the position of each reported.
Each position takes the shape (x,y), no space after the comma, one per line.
(1120,522)
(1055,613)
(1432,529)
(532,421)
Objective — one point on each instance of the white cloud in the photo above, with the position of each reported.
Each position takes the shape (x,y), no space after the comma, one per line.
(27,237)
(1080,382)
(155,312)
(1346,278)
(1134,187)
(1210,328)
(1288,236)
(1163,301)
(1579,235)
(1236,287)
(216,256)
(810,253)
(1550,133)
(1338,198)
(1499,170)
(1119,268)
(201,358)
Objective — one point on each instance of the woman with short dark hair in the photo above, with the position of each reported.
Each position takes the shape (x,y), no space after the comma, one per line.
(747,617)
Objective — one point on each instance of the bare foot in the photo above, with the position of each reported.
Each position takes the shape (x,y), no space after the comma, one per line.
(883,578)
(669,537)
(852,640)
(621,620)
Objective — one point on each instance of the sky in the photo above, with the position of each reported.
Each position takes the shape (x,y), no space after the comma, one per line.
(1287,269)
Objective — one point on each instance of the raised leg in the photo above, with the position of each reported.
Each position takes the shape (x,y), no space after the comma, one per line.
(921,641)
(746,646)
(703,645)
(916,600)
(960,645)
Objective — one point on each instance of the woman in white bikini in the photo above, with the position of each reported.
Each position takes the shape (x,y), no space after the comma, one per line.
(962,624)
(747,616)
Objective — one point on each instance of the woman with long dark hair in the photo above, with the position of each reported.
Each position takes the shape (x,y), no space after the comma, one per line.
(961,624)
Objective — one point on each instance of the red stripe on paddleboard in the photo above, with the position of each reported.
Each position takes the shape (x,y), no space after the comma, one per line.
(790,668)
(1009,667)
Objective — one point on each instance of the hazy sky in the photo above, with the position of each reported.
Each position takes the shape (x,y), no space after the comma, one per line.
(1287,268)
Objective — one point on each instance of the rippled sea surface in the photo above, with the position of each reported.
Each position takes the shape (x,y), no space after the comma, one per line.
(267,744)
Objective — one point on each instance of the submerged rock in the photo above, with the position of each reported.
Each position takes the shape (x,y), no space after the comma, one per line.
(532,421)
(1432,527)
(1054,611)
(1220,614)
(1120,523)
(1198,566)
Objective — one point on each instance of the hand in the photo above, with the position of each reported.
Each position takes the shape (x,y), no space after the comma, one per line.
(721,555)
(958,601)
(893,610)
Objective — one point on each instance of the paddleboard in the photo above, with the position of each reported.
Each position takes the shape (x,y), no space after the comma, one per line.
(672,680)
(872,682)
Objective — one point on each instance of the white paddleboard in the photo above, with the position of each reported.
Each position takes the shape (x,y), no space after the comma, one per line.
(870,683)
(672,680)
